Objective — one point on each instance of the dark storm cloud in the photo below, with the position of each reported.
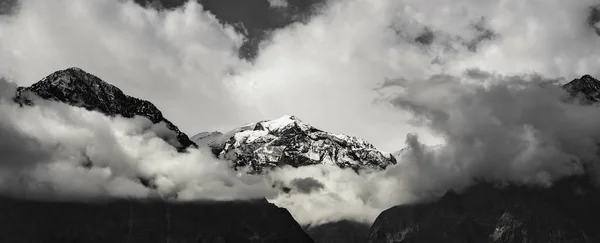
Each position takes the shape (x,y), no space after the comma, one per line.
(307,185)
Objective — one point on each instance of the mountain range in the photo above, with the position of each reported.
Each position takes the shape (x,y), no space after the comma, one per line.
(484,212)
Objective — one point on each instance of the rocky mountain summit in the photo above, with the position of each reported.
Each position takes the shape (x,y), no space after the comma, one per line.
(76,87)
(289,141)
(586,87)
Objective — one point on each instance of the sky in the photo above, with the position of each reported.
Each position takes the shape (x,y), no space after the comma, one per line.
(324,71)
(397,73)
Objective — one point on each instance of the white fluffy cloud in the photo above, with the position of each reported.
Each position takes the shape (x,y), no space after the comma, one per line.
(58,150)
(176,59)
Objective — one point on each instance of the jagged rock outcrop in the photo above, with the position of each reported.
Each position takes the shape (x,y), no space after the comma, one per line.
(289,141)
(129,221)
(76,87)
(566,212)
(587,88)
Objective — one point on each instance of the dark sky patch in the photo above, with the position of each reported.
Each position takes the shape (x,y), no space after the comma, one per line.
(255,18)
(594,18)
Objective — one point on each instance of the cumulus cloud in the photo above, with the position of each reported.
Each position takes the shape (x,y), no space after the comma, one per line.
(186,62)
(504,129)
(177,58)
(338,57)
(54,150)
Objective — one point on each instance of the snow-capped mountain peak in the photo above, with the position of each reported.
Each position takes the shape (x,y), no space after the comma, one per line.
(281,123)
(289,141)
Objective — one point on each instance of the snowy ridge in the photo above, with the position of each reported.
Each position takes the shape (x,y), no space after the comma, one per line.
(289,141)
(76,87)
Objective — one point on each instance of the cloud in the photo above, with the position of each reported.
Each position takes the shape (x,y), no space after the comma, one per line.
(177,59)
(307,185)
(56,151)
(515,129)
(278,3)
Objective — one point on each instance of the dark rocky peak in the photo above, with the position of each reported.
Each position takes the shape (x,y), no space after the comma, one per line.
(76,87)
(289,141)
(586,87)
(566,212)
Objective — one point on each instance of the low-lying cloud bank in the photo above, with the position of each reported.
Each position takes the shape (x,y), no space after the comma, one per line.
(54,150)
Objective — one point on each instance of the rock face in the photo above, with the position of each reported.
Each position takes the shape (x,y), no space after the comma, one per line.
(585,87)
(567,212)
(29,221)
(288,141)
(76,87)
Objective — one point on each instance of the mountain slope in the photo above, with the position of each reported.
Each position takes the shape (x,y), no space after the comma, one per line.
(24,221)
(76,87)
(567,212)
(344,231)
(289,141)
(586,87)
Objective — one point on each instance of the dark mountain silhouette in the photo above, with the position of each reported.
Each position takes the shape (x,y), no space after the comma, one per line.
(76,87)
(146,221)
(566,212)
